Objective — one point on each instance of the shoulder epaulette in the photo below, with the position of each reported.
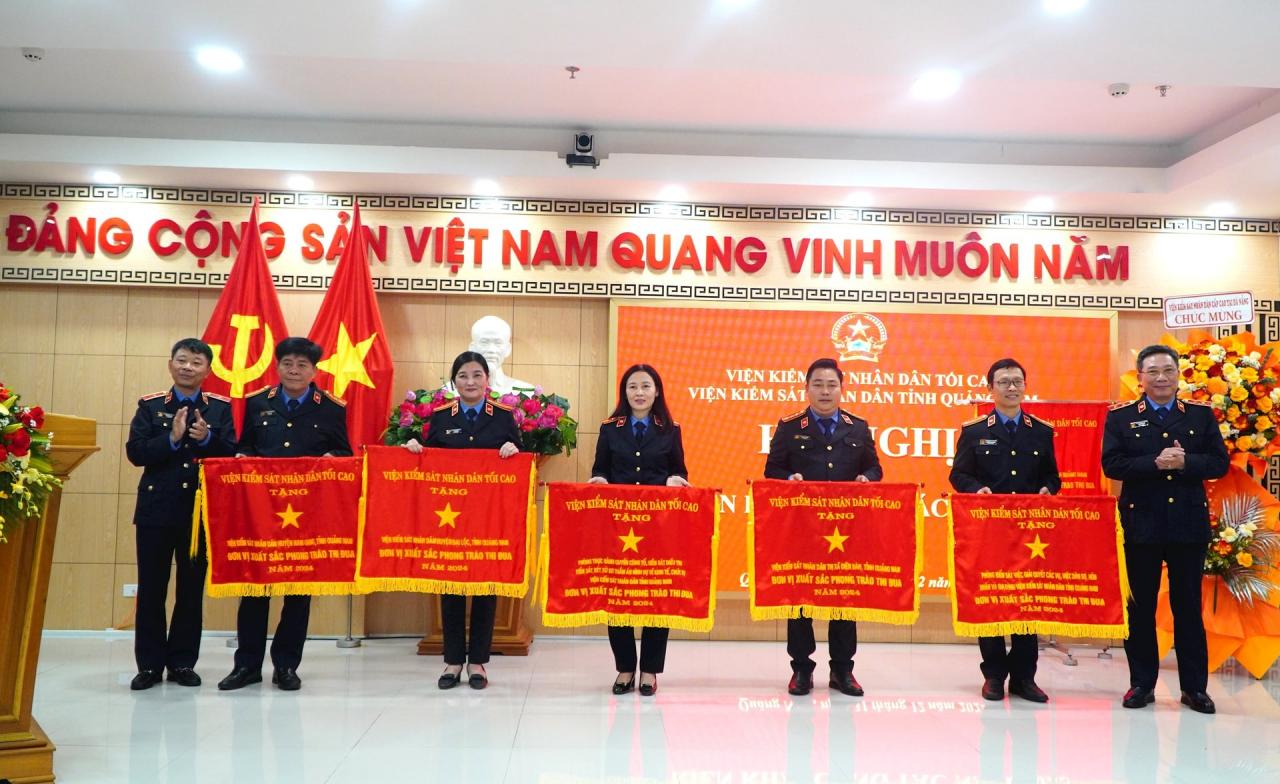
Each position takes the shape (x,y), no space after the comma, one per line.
(216,396)
(610,420)
(335,399)
(259,391)
(154,395)
(796,415)
(1197,402)
(1122,404)
(1038,419)
(975,420)
(500,404)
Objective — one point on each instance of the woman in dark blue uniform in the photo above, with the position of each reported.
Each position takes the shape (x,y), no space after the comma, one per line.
(472,422)
(639,444)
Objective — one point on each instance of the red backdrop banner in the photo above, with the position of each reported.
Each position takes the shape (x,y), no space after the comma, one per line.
(629,555)
(280,525)
(1077,443)
(447,521)
(835,550)
(1037,564)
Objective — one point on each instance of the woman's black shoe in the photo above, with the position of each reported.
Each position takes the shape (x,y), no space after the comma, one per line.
(448,680)
(649,689)
(623,687)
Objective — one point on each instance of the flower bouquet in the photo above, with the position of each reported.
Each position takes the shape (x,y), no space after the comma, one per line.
(545,425)
(1243,550)
(26,475)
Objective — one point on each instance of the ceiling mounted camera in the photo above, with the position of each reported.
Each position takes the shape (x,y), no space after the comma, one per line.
(583,144)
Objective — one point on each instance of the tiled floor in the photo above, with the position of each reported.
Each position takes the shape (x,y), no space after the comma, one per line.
(721,716)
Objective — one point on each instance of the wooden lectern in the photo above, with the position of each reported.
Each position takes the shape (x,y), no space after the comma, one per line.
(26,753)
(511,636)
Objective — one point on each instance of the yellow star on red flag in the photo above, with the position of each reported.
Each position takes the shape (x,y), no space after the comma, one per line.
(346,363)
(1037,548)
(289,518)
(630,541)
(835,540)
(448,516)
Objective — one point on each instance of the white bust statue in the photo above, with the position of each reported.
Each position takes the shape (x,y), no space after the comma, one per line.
(491,338)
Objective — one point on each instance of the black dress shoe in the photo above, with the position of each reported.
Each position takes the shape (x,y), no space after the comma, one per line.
(184,676)
(1139,697)
(449,679)
(477,680)
(144,680)
(625,686)
(1199,702)
(239,678)
(845,683)
(801,683)
(286,679)
(993,689)
(649,689)
(1028,690)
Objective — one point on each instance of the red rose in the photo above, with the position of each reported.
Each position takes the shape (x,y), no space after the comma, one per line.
(406,407)
(20,442)
(529,424)
(531,406)
(4,454)
(37,416)
(423,410)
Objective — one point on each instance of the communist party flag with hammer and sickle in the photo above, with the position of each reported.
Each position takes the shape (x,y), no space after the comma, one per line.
(246,325)
(356,359)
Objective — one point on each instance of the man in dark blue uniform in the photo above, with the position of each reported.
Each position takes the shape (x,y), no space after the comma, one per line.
(169,432)
(823,443)
(291,419)
(1163,449)
(1007,451)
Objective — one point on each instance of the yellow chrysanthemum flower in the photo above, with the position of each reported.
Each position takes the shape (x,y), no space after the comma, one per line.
(1238,394)
(1244,558)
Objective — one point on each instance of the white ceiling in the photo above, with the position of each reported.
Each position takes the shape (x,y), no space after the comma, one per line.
(768,101)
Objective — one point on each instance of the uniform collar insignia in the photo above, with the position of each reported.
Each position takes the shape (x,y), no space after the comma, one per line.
(1181,408)
(991,421)
(804,423)
(621,421)
(315,397)
(848,420)
(273,391)
(488,409)
(1142,406)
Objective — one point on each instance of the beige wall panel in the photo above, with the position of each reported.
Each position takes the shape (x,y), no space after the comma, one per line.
(462,311)
(585,454)
(299,309)
(417,375)
(595,332)
(86,528)
(158,318)
(91,320)
(79,596)
(30,311)
(415,325)
(30,375)
(124,610)
(396,613)
(100,473)
(549,331)
(559,379)
(596,398)
(126,545)
(142,376)
(733,621)
(89,385)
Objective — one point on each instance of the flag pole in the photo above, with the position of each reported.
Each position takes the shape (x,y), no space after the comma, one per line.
(349,641)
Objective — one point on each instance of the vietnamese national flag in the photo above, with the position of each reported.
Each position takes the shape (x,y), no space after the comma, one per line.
(246,325)
(356,359)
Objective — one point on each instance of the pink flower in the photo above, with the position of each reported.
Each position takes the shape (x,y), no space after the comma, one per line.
(546,421)
(537,391)
(531,406)
(406,419)
(517,415)
(528,425)
(411,396)
(406,407)
(423,410)
(510,399)
(554,411)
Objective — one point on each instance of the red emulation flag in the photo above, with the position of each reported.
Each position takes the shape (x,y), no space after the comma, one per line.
(245,326)
(356,364)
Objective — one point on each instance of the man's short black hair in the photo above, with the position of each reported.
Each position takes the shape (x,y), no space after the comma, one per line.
(192,345)
(819,364)
(1159,348)
(1002,364)
(298,347)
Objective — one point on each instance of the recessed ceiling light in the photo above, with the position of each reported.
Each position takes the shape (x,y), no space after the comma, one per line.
(486,187)
(673,193)
(1220,209)
(218,59)
(1040,204)
(1062,7)
(104,177)
(936,84)
(299,182)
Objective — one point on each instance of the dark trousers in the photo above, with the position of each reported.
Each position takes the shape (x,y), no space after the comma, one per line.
(653,648)
(291,633)
(1019,661)
(842,642)
(1186,562)
(157,642)
(453,621)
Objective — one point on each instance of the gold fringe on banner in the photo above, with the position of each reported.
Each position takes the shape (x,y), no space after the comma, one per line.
(226,590)
(197,512)
(531,552)
(361,517)
(823,613)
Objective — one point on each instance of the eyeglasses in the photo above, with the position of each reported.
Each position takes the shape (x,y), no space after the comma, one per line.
(1161,373)
(1016,383)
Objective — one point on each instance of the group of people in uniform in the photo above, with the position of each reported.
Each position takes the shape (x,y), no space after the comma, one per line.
(1161,448)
